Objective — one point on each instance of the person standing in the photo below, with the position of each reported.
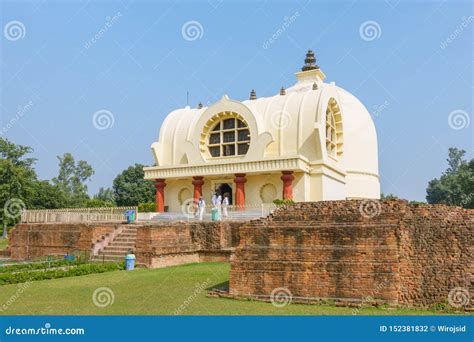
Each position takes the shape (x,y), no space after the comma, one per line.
(214,199)
(219,206)
(201,207)
(225,203)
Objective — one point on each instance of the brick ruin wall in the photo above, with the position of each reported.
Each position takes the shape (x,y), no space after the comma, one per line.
(157,244)
(388,251)
(185,242)
(34,240)
(404,254)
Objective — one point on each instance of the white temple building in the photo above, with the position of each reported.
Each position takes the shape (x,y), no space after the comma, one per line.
(312,141)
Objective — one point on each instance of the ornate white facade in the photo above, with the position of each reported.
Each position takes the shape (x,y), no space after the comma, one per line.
(319,135)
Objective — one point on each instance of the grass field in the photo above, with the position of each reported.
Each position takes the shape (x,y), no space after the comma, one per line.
(155,292)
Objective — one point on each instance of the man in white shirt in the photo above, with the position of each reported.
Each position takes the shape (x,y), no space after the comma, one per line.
(225,203)
(201,207)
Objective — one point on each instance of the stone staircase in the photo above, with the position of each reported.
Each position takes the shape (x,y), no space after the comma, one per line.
(119,246)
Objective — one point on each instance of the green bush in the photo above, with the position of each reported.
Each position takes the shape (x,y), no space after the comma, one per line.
(149,207)
(78,270)
(283,201)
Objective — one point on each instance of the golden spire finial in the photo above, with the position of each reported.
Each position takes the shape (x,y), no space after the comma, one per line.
(309,61)
(253,95)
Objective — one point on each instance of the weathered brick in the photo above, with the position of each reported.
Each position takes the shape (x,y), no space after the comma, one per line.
(406,254)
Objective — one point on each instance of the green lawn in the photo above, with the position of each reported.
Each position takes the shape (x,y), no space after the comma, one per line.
(155,292)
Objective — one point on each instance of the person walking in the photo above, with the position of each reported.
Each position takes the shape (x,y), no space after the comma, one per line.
(201,208)
(225,203)
(219,206)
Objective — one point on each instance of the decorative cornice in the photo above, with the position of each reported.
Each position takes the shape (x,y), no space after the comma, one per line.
(214,169)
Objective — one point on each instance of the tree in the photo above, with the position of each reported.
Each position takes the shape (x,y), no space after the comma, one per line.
(456,184)
(17,178)
(105,194)
(98,203)
(455,159)
(72,178)
(47,196)
(130,188)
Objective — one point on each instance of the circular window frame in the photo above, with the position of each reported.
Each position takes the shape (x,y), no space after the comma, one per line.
(208,129)
(262,189)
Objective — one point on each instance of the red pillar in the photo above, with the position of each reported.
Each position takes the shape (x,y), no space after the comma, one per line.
(287,178)
(160,195)
(197,182)
(240,190)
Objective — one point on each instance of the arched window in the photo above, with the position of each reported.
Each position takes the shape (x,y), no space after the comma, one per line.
(331,140)
(229,137)
(334,129)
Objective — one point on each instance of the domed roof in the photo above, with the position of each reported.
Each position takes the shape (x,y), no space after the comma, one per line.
(289,124)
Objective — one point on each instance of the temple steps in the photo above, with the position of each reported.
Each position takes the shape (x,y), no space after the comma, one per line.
(116,250)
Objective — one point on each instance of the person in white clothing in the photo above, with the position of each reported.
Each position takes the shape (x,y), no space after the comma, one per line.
(219,205)
(201,207)
(214,199)
(225,203)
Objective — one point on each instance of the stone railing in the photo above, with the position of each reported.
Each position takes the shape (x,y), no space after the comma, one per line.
(191,212)
(113,214)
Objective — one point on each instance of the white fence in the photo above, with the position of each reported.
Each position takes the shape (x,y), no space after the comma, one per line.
(191,212)
(113,214)
(117,214)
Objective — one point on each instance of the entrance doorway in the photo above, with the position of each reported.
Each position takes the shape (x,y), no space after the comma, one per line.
(223,189)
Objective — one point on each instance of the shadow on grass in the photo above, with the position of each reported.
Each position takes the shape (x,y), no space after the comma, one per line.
(224,286)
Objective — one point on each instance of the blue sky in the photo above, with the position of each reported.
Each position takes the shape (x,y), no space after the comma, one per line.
(415,81)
